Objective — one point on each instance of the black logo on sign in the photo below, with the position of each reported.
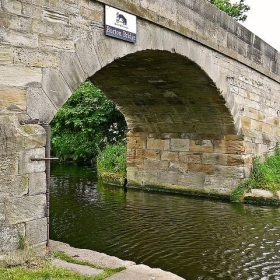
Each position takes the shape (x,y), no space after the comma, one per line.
(121,19)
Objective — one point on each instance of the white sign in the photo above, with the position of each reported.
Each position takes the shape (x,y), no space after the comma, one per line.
(119,24)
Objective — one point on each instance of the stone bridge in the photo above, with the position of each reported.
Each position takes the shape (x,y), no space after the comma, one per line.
(200,94)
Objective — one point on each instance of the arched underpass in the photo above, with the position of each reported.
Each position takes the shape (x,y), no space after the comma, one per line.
(179,124)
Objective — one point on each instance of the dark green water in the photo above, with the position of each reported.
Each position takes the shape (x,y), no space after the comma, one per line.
(193,238)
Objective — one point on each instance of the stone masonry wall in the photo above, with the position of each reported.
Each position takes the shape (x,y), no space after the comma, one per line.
(23,185)
(186,165)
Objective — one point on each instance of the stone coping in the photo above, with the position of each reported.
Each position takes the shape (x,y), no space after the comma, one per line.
(101,260)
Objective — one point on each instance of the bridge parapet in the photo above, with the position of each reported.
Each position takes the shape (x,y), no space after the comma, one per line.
(201,21)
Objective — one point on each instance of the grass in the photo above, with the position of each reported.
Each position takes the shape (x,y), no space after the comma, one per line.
(111,163)
(264,175)
(43,270)
(40,272)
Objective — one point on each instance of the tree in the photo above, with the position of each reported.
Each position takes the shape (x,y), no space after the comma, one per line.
(85,124)
(236,10)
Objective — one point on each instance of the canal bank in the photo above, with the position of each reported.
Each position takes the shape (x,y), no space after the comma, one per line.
(101,261)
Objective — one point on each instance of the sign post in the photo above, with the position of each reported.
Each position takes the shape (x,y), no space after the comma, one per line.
(120,25)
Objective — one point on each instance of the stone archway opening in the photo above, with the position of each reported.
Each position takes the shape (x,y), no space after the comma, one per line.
(181,136)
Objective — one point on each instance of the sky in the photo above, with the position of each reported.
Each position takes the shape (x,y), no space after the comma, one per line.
(264,20)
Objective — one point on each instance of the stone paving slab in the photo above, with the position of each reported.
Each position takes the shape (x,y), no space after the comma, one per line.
(96,258)
(81,269)
(143,272)
(132,271)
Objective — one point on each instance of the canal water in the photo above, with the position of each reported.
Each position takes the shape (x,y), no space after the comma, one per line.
(193,238)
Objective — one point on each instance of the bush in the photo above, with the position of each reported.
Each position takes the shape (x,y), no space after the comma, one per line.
(112,161)
(264,175)
(86,123)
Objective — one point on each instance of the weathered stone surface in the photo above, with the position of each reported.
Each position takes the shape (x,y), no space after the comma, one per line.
(13,96)
(37,102)
(9,237)
(170,156)
(6,55)
(14,185)
(35,58)
(9,165)
(26,165)
(201,146)
(19,76)
(36,231)
(259,193)
(182,145)
(55,86)
(157,144)
(24,209)
(72,70)
(34,135)
(2,213)
(37,183)
(80,269)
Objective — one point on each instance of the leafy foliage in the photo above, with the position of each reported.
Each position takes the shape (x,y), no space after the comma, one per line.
(112,160)
(85,124)
(264,175)
(236,10)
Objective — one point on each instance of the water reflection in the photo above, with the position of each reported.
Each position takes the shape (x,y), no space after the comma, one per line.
(194,238)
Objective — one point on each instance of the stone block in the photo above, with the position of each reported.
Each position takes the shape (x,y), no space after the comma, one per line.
(6,55)
(36,231)
(37,183)
(18,39)
(54,44)
(214,159)
(39,105)
(229,147)
(192,180)
(259,193)
(14,185)
(267,129)
(2,212)
(35,58)
(72,70)
(152,166)
(170,156)
(13,96)
(157,144)
(245,123)
(87,56)
(55,87)
(9,165)
(228,137)
(13,6)
(24,209)
(201,146)
(147,154)
(28,166)
(19,76)
(136,142)
(182,145)
(34,136)
(234,172)
(9,237)
(170,177)
(206,168)
(239,160)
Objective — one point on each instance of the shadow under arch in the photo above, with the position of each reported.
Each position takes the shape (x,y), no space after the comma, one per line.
(181,135)
(161,92)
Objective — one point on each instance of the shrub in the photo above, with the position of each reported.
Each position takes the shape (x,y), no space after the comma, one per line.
(112,160)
